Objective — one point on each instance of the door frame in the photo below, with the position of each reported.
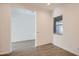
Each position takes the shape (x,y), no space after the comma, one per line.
(35,26)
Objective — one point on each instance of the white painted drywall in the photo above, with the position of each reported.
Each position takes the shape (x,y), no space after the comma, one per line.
(57,12)
(23,24)
(44,26)
(70,38)
(5,29)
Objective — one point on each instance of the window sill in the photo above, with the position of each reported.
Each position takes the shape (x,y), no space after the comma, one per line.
(58,33)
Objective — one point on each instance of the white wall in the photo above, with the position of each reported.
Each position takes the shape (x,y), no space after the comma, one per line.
(70,38)
(43,23)
(5,29)
(44,26)
(23,24)
(57,12)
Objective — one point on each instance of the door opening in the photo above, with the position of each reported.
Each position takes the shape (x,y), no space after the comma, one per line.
(23,29)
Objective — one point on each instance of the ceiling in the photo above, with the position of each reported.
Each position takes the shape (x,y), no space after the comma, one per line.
(51,6)
(45,5)
(48,7)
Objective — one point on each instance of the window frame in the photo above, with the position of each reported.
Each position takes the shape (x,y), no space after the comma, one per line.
(57,25)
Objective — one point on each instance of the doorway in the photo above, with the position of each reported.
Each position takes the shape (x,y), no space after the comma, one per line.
(23,29)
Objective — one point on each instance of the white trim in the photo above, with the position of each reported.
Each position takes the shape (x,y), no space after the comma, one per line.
(35,29)
(66,49)
(4,53)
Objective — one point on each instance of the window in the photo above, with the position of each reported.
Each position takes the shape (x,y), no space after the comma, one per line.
(58,25)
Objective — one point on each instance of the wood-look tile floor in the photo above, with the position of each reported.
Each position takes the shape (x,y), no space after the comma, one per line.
(26,48)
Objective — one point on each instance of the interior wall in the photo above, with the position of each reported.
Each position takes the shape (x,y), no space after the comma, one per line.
(43,26)
(43,23)
(70,38)
(56,37)
(5,29)
(23,24)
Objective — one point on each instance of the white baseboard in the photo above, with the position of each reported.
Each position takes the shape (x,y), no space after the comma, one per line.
(5,53)
(67,49)
(23,40)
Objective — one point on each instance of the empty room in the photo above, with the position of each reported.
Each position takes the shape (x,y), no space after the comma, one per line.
(23,29)
(39,29)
